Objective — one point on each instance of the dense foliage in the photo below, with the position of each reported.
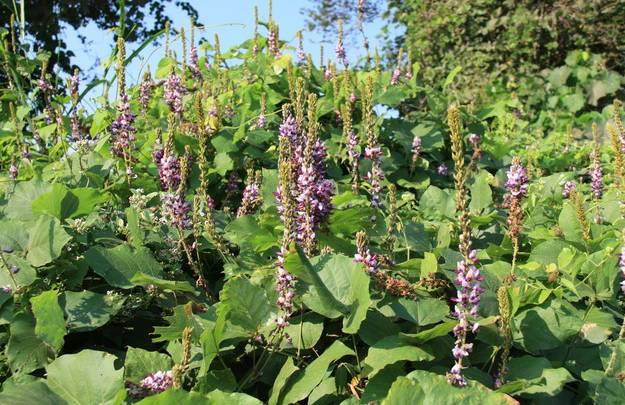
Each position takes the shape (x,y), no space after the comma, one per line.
(494,41)
(246,227)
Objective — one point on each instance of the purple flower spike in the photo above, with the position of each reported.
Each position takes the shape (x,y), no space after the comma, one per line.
(467,303)
(395,76)
(569,186)
(596,177)
(158,382)
(123,129)
(174,90)
(516,183)
(177,210)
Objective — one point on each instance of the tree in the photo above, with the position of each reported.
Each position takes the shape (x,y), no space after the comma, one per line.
(45,20)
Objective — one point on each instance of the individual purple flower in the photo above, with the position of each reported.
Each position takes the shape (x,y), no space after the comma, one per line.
(177,210)
(288,128)
(474,140)
(122,129)
(622,268)
(516,182)
(157,382)
(327,74)
(442,169)
(568,187)
(395,76)
(173,92)
(466,309)
(596,177)
(13,171)
(301,54)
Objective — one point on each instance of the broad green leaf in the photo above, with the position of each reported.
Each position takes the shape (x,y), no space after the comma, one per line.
(378,386)
(539,373)
(288,369)
(86,310)
(25,275)
(481,194)
(610,391)
(248,304)
(404,391)
(20,203)
(25,351)
(46,240)
(304,330)
(86,378)
(119,264)
(139,363)
(36,392)
(425,311)
(391,350)
(247,230)
(165,67)
(569,223)
(59,203)
(303,382)
(50,324)
(143,279)
(429,264)
(212,338)
(547,252)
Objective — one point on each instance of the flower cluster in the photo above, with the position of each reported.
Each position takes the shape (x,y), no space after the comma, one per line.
(122,129)
(568,187)
(442,169)
(363,254)
(285,285)
(194,66)
(352,143)
(395,76)
(145,91)
(341,54)
(173,92)
(596,176)
(375,176)
(251,198)
(13,171)
(169,171)
(475,140)
(177,210)
(272,42)
(154,383)
(466,309)
(516,182)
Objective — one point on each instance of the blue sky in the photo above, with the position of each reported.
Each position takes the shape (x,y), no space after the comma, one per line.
(233,20)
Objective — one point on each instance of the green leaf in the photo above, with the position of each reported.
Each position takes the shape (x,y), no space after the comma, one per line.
(139,363)
(88,199)
(24,277)
(85,378)
(50,324)
(301,384)
(569,224)
(426,311)
(211,339)
(223,163)
(86,310)
(247,231)
(437,203)
(36,392)
(59,202)
(574,102)
(610,391)
(248,304)
(391,350)
(404,391)
(546,326)
(119,264)
(547,252)
(101,120)
(429,264)
(441,329)
(542,378)
(25,351)
(288,369)
(165,67)
(143,279)
(46,240)
(379,385)
(305,331)
(481,194)
(338,287)
(451,76)
(19,205)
